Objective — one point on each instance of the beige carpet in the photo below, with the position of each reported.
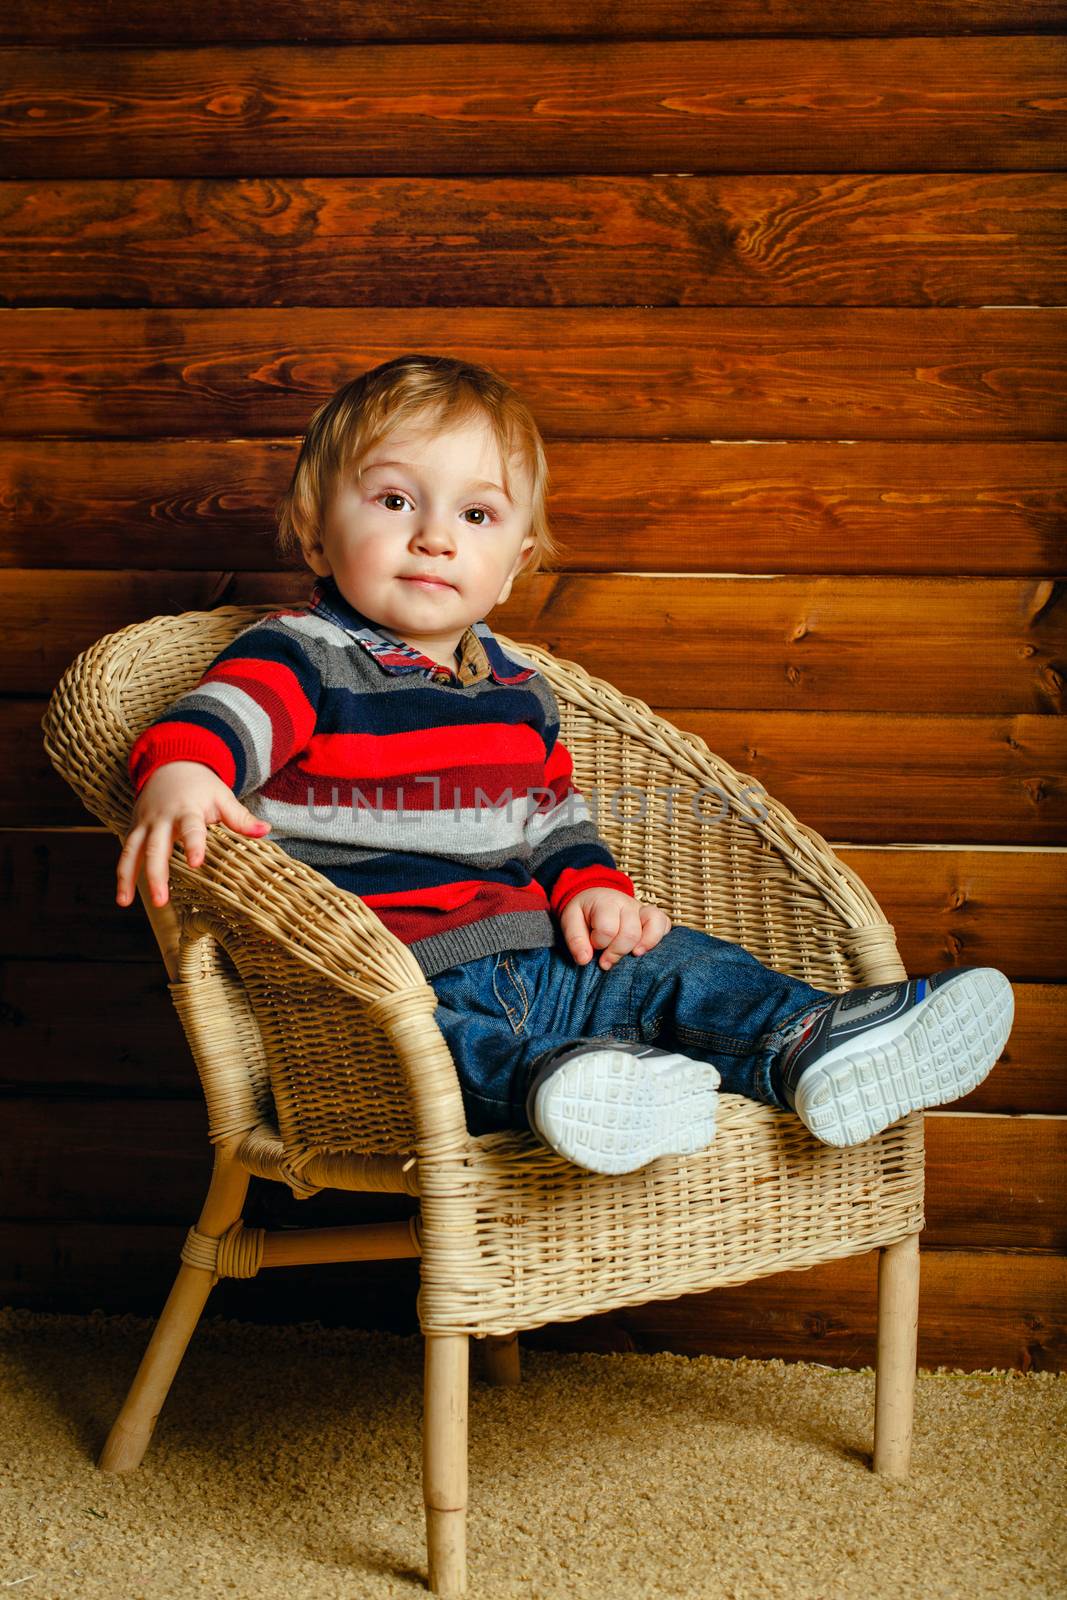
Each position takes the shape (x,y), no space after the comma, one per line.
(286,1463)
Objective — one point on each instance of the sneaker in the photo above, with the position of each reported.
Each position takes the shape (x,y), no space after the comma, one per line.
(613,1106)
(876,1053)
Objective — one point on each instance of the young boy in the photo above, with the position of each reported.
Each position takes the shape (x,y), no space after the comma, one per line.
(385,737)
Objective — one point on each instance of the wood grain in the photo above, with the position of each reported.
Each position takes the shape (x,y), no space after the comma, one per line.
(709,373)
(945,645)
(784,286)
(117,1034)
(330,21)
(1002,908)
(991,1182)
(978,907)
(988,646)
(782,239)
(979,1309)
(871,778)
(750,104)
(895,777)
(871,507)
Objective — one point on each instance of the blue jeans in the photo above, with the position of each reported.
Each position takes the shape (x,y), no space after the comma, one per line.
(692,992)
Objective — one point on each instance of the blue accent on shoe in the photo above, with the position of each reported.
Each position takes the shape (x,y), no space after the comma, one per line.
(884,1050)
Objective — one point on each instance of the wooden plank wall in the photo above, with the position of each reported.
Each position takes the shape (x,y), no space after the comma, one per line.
(789,301)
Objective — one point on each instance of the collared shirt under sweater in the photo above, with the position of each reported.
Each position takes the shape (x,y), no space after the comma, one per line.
(442,796)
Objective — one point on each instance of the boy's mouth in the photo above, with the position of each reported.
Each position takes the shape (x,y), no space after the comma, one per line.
(425,581)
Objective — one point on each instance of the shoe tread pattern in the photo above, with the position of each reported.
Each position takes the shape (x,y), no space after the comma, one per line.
(607,1110)
(949,1045)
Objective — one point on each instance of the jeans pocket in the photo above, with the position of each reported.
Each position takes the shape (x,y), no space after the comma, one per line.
(515,999)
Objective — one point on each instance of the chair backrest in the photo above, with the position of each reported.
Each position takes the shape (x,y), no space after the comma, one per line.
(709,845)
(117,687)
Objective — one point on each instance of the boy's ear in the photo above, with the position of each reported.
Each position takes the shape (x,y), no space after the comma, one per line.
(522,560)
(315,556)
(525,552)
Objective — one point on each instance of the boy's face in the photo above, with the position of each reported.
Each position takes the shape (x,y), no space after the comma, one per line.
(424,511)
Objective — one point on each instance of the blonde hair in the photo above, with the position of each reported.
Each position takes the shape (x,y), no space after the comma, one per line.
(410,388)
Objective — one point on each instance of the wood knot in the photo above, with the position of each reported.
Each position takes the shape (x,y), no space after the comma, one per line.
(1051,684)
(1045,594)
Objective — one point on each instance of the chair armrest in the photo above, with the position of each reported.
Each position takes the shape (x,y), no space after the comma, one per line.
(328,929)
(88,738)
(336,934)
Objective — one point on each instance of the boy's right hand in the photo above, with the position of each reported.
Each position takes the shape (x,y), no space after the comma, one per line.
(179,801)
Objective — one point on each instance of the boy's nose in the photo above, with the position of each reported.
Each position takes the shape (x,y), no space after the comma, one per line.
(435,534)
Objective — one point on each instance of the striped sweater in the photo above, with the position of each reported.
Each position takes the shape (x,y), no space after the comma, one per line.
(442,796)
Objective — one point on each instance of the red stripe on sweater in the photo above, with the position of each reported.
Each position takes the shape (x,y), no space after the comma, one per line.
(178,741)
(391,755)
(412,915)
(276,689)
(445,896)
(572,880)
(559,772)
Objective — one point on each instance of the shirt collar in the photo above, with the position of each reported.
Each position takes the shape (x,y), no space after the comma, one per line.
(480,652)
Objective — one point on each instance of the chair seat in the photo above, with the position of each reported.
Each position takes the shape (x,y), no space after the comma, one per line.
(547,1241)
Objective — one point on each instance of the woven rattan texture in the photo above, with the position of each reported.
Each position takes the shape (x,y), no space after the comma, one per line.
(326,1075)
(312,1026)
(708,844)
(550,1242)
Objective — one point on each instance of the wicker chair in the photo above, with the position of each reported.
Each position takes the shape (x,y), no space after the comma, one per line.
(313,1032)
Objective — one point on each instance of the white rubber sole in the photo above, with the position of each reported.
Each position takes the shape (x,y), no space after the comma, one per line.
(938,1051)
(613,1111)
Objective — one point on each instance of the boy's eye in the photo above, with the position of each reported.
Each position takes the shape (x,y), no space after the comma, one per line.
(483,513)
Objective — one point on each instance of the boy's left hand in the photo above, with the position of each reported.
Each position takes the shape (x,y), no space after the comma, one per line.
(612,921)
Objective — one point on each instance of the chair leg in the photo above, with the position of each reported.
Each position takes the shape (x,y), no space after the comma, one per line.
(444,1460)
(502,1360)
(894,1382)
(133,1427)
